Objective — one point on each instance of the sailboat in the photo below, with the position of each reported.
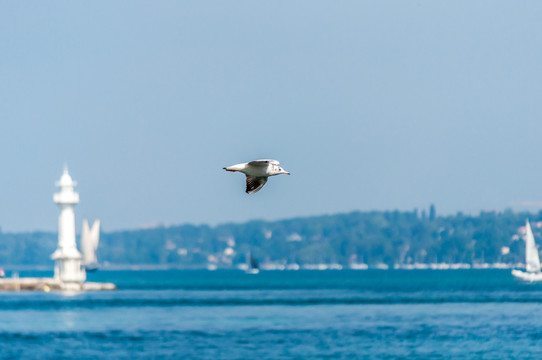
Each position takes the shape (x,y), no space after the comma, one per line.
(532,261)
(89,244)
(252,265)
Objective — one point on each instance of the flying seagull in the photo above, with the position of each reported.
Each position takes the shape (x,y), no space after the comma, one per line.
(257,172)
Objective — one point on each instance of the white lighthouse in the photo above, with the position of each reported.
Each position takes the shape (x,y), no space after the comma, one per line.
(67,258)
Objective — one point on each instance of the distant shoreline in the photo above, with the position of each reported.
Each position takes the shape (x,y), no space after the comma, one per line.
(274,267)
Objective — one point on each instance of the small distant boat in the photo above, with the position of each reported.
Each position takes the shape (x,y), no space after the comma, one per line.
(2,273)
(212,267)
(532,261)
(91,267)
(89,243)
(252,265)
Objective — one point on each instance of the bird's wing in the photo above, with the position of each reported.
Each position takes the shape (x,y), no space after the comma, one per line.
(263,162)
(255,183)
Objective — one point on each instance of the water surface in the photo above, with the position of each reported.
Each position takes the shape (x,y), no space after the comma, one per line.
(429,314)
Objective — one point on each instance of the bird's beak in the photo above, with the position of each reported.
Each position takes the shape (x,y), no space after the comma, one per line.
(286,172)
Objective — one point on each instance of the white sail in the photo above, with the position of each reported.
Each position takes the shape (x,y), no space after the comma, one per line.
(89,242)
(531,252)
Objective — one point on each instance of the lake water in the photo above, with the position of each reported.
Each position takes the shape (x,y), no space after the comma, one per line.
(395,314)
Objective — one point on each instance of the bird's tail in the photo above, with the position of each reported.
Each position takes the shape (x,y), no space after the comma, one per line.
(237,167)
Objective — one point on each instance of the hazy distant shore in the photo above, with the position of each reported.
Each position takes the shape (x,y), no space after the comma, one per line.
(357,240)
(291,267)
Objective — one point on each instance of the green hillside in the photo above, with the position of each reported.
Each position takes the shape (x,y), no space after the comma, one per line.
(376,237)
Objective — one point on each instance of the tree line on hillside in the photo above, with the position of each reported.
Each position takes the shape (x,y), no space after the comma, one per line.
(376,237)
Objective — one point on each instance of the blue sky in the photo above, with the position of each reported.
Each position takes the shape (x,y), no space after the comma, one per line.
(370,105)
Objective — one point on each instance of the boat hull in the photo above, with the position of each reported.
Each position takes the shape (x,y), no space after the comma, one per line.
(527,276)
(91,267)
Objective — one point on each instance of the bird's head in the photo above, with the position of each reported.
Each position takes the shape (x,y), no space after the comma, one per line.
(282,171)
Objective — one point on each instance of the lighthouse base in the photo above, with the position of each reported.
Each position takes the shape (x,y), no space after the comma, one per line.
(68,265)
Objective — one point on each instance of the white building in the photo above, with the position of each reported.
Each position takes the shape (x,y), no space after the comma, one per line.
(67,258)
